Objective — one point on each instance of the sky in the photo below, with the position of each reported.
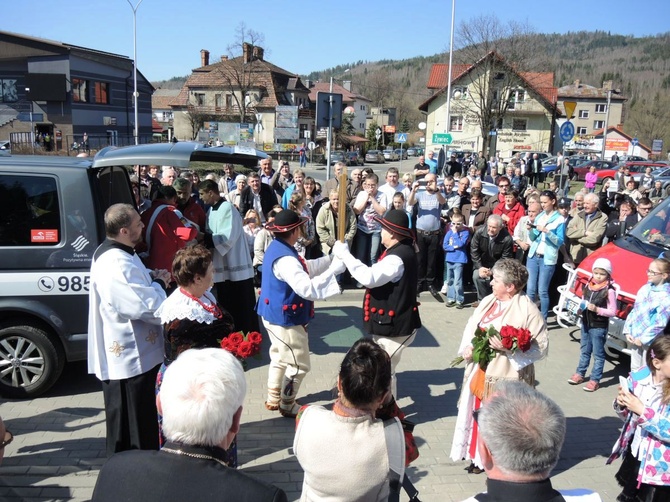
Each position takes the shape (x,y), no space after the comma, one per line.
(304,36)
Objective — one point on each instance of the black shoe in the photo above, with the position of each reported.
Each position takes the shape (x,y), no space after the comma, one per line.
(459,305)
(450,303)
(433,291)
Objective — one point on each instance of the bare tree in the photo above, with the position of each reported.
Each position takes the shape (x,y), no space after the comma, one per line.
(499,56)
(196,119)
(239,73)
(649,119)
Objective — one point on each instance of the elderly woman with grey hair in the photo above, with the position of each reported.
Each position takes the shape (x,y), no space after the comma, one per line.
(235,196)
(506,308)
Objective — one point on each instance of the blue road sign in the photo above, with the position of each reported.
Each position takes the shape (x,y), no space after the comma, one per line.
(566,132)
(634,142)
(401,137)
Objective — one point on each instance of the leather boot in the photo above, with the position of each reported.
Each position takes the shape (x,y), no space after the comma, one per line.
(288,407)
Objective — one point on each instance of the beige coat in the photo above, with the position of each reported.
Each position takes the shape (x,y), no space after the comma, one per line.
(327,230)
(585,240)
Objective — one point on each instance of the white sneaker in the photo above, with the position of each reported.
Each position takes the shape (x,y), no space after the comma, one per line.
(444,289)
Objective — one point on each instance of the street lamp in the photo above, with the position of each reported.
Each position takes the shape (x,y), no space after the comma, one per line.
(135,94)
(607,119)
(329,139)
(449,75)
(32,128)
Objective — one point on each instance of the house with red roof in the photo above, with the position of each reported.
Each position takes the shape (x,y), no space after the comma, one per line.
(244,99)
(493,107)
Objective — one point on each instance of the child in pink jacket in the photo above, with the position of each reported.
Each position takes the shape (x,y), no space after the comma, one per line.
(591,179)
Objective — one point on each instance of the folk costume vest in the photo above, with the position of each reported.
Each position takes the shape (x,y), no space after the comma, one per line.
(278,303)
(392,310)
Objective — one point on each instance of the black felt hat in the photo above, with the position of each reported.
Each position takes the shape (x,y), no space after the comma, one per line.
(397,222)
(285,221)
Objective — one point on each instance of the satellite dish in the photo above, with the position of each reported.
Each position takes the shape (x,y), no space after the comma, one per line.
(457,94)
(422,125)
(349,110)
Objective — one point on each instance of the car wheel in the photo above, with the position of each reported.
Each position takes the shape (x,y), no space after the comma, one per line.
(30,362)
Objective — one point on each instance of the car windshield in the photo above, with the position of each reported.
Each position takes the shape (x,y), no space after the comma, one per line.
(655,227)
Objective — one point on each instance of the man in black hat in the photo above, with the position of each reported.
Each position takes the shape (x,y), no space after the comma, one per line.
(286,304)
(390,309)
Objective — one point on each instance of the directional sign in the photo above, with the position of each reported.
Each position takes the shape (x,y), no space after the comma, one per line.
(311,145)
(378,133)
(634,142)
(569,108)
(401,137)
(442,139)
(566,132)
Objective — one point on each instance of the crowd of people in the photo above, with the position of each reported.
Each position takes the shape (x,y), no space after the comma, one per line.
(170,283)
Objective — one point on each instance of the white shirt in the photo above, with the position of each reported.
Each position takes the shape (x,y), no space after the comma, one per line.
(317,283)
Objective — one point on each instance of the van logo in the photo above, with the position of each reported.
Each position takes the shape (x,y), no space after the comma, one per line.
(80,243)
(46,284)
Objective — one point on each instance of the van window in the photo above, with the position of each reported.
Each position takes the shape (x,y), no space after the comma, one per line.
(29,211)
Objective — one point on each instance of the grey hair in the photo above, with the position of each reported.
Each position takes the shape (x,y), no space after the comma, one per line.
(523,429)
(497,219)
(182,184)
(200,393)
(592,197)
(511,272)
(118,216)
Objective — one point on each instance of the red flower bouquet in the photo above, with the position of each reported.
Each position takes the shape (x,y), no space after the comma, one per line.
(243,346)
(482,353)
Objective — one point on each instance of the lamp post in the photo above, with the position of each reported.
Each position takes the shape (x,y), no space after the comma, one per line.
(135,94)
(449,75)
(32,128)
(607,119)
(329,139)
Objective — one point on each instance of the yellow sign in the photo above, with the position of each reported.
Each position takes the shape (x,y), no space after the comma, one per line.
(569,108)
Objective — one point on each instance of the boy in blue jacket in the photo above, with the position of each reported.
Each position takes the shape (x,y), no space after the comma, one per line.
(455,258)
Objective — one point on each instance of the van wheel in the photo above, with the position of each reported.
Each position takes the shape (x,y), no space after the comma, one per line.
(30,362)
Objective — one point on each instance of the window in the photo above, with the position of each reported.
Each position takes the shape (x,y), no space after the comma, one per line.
(581,131)
(598,124)
(79,90)
(229,100)
(101,93)
(29,211)
(516,96)
(456,123)
(218,100)
(9,93)
(459,92)
(583,114)
(499,76)
(200,99)
(601,108)
(519,124)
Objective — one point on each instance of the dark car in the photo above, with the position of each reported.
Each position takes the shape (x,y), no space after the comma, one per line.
(580,172)
(575,160)
(414,151)
(51,222)
(336,156)
(375,156)
(354,159)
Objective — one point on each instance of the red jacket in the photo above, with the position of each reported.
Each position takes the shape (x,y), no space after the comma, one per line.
(514,214)
(168,235)
(193,212)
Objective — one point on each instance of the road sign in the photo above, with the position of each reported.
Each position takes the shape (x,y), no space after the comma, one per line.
(566,132)
(569,108)
(401,137)
(378,133)
(634,142)
(323,104)
(442,139)
(311,145)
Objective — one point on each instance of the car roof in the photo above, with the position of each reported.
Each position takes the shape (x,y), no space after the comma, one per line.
(28,161)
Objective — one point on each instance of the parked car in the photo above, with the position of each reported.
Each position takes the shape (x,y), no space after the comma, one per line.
(575,160)
(631,158)
(630,257)
(582,169)
(661,174)
(391,155)
(335,156)
(634,167)
(375,156)
(354,159)
(402,153)
(52,221)
(414,151)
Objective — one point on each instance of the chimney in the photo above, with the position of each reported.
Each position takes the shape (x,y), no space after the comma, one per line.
(246,52)
(608,85)
(257,53)
(224,58)
(204,57)
(308,83)
(577,82)
(347,85)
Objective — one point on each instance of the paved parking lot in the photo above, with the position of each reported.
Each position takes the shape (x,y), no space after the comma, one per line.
(59,438)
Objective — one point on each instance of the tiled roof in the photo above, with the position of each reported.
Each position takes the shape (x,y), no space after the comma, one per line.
(272,80)
(585,91)
(347,96)
(599,132)
(541,83)
(163,98)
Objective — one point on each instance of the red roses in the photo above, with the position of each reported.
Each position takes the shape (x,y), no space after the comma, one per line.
(482,353)
(243,346)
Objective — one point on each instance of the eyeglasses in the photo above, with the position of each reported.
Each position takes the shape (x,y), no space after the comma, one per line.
(652,273)
(503,185)
(457,224)
(9,437)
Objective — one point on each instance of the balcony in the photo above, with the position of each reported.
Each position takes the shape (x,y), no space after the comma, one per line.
(527,107)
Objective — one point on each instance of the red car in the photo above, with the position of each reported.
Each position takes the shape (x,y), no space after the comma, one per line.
(630,257)
(580,172)
(635,167)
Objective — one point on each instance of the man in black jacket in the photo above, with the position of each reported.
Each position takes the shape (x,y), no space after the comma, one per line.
(201,400)
(258,196)
(488,245)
